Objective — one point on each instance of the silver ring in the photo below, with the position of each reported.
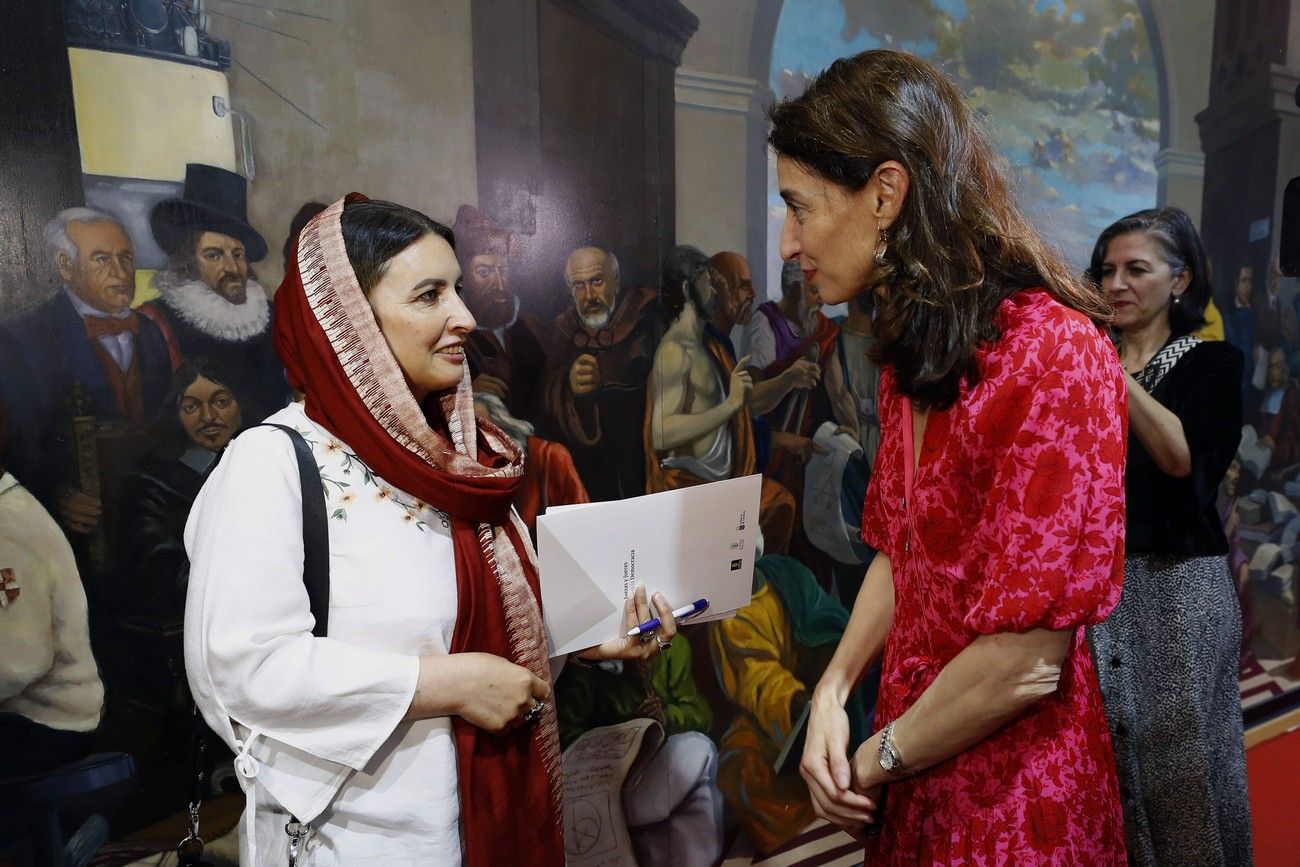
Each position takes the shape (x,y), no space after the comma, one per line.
(663,645)
(533,712)
(646,636)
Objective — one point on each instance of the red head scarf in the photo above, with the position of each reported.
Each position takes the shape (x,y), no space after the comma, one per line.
(334,352)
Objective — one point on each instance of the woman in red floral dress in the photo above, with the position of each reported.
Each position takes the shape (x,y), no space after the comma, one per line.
(997,501)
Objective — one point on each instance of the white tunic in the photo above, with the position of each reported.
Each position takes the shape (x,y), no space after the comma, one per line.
(317,722)
(47,672)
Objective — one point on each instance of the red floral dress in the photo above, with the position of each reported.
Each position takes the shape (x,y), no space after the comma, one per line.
(1017,522)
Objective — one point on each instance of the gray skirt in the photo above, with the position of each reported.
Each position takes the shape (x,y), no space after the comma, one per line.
(1167,662)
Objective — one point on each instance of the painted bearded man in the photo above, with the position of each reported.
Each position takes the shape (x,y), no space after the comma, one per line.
(507,351)
(596,387)
(210,304)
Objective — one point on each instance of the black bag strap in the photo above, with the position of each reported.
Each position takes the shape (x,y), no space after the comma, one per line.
(315,531)
(315,577)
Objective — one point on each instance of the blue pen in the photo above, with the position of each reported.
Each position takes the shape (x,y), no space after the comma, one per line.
(685,611)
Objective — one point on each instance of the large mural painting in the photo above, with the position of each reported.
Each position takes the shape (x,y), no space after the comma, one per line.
(1068,88)
(135,336)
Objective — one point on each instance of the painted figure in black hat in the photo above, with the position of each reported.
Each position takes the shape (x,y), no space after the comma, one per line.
(210,304)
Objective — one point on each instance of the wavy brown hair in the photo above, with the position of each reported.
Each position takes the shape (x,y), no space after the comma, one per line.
(958,246)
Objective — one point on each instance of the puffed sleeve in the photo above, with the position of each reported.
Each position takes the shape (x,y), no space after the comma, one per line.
(249,651)
(1052,524)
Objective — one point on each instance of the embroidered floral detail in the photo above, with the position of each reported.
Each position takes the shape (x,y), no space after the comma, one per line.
(342,494)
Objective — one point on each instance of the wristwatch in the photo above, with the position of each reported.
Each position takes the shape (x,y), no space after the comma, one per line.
(890,761)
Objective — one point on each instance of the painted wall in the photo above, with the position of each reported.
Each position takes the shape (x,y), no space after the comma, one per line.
(736,40)
(381,97)
(1070,95)
(376,97)
(1182,38)
(714,114)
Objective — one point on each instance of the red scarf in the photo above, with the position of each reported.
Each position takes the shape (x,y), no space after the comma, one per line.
(333,351)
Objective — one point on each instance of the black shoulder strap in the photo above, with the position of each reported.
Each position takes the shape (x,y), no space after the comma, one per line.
(315,531)
(316,578)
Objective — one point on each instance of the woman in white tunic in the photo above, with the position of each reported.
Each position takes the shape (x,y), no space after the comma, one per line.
(419,731)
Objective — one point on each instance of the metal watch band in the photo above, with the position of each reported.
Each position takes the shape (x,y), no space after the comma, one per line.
(890,760)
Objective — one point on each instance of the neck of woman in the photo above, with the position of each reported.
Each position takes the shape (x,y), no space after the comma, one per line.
(1138,345)
(858,321)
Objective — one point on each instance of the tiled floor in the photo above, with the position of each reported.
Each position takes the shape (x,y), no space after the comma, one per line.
(818,845)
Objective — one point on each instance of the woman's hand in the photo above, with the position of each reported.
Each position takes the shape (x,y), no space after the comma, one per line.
(487,691)
(497,693)
(636,610)
(826,769)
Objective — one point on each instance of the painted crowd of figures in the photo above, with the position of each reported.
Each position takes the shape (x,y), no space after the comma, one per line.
(116,411)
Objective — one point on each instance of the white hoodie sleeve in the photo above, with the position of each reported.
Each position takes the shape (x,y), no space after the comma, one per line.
(323,706)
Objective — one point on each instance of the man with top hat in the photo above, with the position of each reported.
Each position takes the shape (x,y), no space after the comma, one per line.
(83,351)
(209,303)
(507,352)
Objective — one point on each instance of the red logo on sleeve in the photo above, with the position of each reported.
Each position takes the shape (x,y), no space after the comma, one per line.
(9,587)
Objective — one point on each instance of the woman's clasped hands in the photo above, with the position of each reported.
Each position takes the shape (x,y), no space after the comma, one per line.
(845,793)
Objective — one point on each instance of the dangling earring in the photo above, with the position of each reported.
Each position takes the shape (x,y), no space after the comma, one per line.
(881,246)
(1178,299)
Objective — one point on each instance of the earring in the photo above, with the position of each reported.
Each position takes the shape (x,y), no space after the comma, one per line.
(1178,299)
(881,246)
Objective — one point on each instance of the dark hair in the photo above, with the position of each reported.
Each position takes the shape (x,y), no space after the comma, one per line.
(184,260)
(681,267)
(167,425)
(866,302)
(374,231)
(1180,247)
(958,247)
(300,219)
